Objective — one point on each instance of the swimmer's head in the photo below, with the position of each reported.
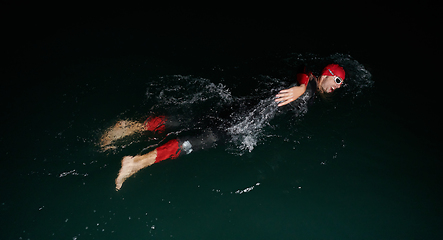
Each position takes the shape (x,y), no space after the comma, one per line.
(331,78)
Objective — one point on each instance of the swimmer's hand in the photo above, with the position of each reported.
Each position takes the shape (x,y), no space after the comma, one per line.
(288,95)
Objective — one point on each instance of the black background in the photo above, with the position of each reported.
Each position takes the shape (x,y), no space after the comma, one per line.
(397,43)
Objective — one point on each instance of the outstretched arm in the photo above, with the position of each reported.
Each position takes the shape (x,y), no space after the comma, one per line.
(288,95)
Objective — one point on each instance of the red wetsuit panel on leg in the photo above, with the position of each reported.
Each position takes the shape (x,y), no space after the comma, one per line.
(155,124)
(170,149)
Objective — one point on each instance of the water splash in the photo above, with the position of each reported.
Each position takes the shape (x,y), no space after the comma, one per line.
(247,130)
(179,93)
(248,189)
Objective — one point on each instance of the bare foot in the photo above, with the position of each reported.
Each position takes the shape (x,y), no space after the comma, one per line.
(131,165)
(126,171)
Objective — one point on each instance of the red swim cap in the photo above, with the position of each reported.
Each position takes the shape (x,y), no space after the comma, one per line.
(334,70)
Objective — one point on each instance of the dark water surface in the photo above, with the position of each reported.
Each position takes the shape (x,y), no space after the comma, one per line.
(364,165)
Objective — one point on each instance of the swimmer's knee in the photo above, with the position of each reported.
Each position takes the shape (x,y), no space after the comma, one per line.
(155,124)
(168,150)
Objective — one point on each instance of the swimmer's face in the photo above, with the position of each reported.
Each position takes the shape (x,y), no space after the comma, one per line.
(327,84)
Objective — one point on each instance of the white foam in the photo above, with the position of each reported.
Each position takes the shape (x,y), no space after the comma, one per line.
(247,130)
(181,90)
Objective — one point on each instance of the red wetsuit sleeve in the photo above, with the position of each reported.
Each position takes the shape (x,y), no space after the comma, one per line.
(170,149)
(302,78)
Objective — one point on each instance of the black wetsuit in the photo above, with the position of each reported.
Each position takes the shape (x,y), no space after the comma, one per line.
(219,129)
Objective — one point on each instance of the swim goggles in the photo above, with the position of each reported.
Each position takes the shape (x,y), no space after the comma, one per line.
(337,79)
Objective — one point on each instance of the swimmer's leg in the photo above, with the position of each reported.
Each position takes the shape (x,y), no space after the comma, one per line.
(205,140)
(121,129)
(126,128)
(170,150)
(131,165)
(155,124)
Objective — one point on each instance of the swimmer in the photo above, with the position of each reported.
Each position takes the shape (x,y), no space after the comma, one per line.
(331,78)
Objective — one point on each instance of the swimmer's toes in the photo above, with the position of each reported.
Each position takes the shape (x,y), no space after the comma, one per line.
(125,171)
(118,185)
(106,148)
